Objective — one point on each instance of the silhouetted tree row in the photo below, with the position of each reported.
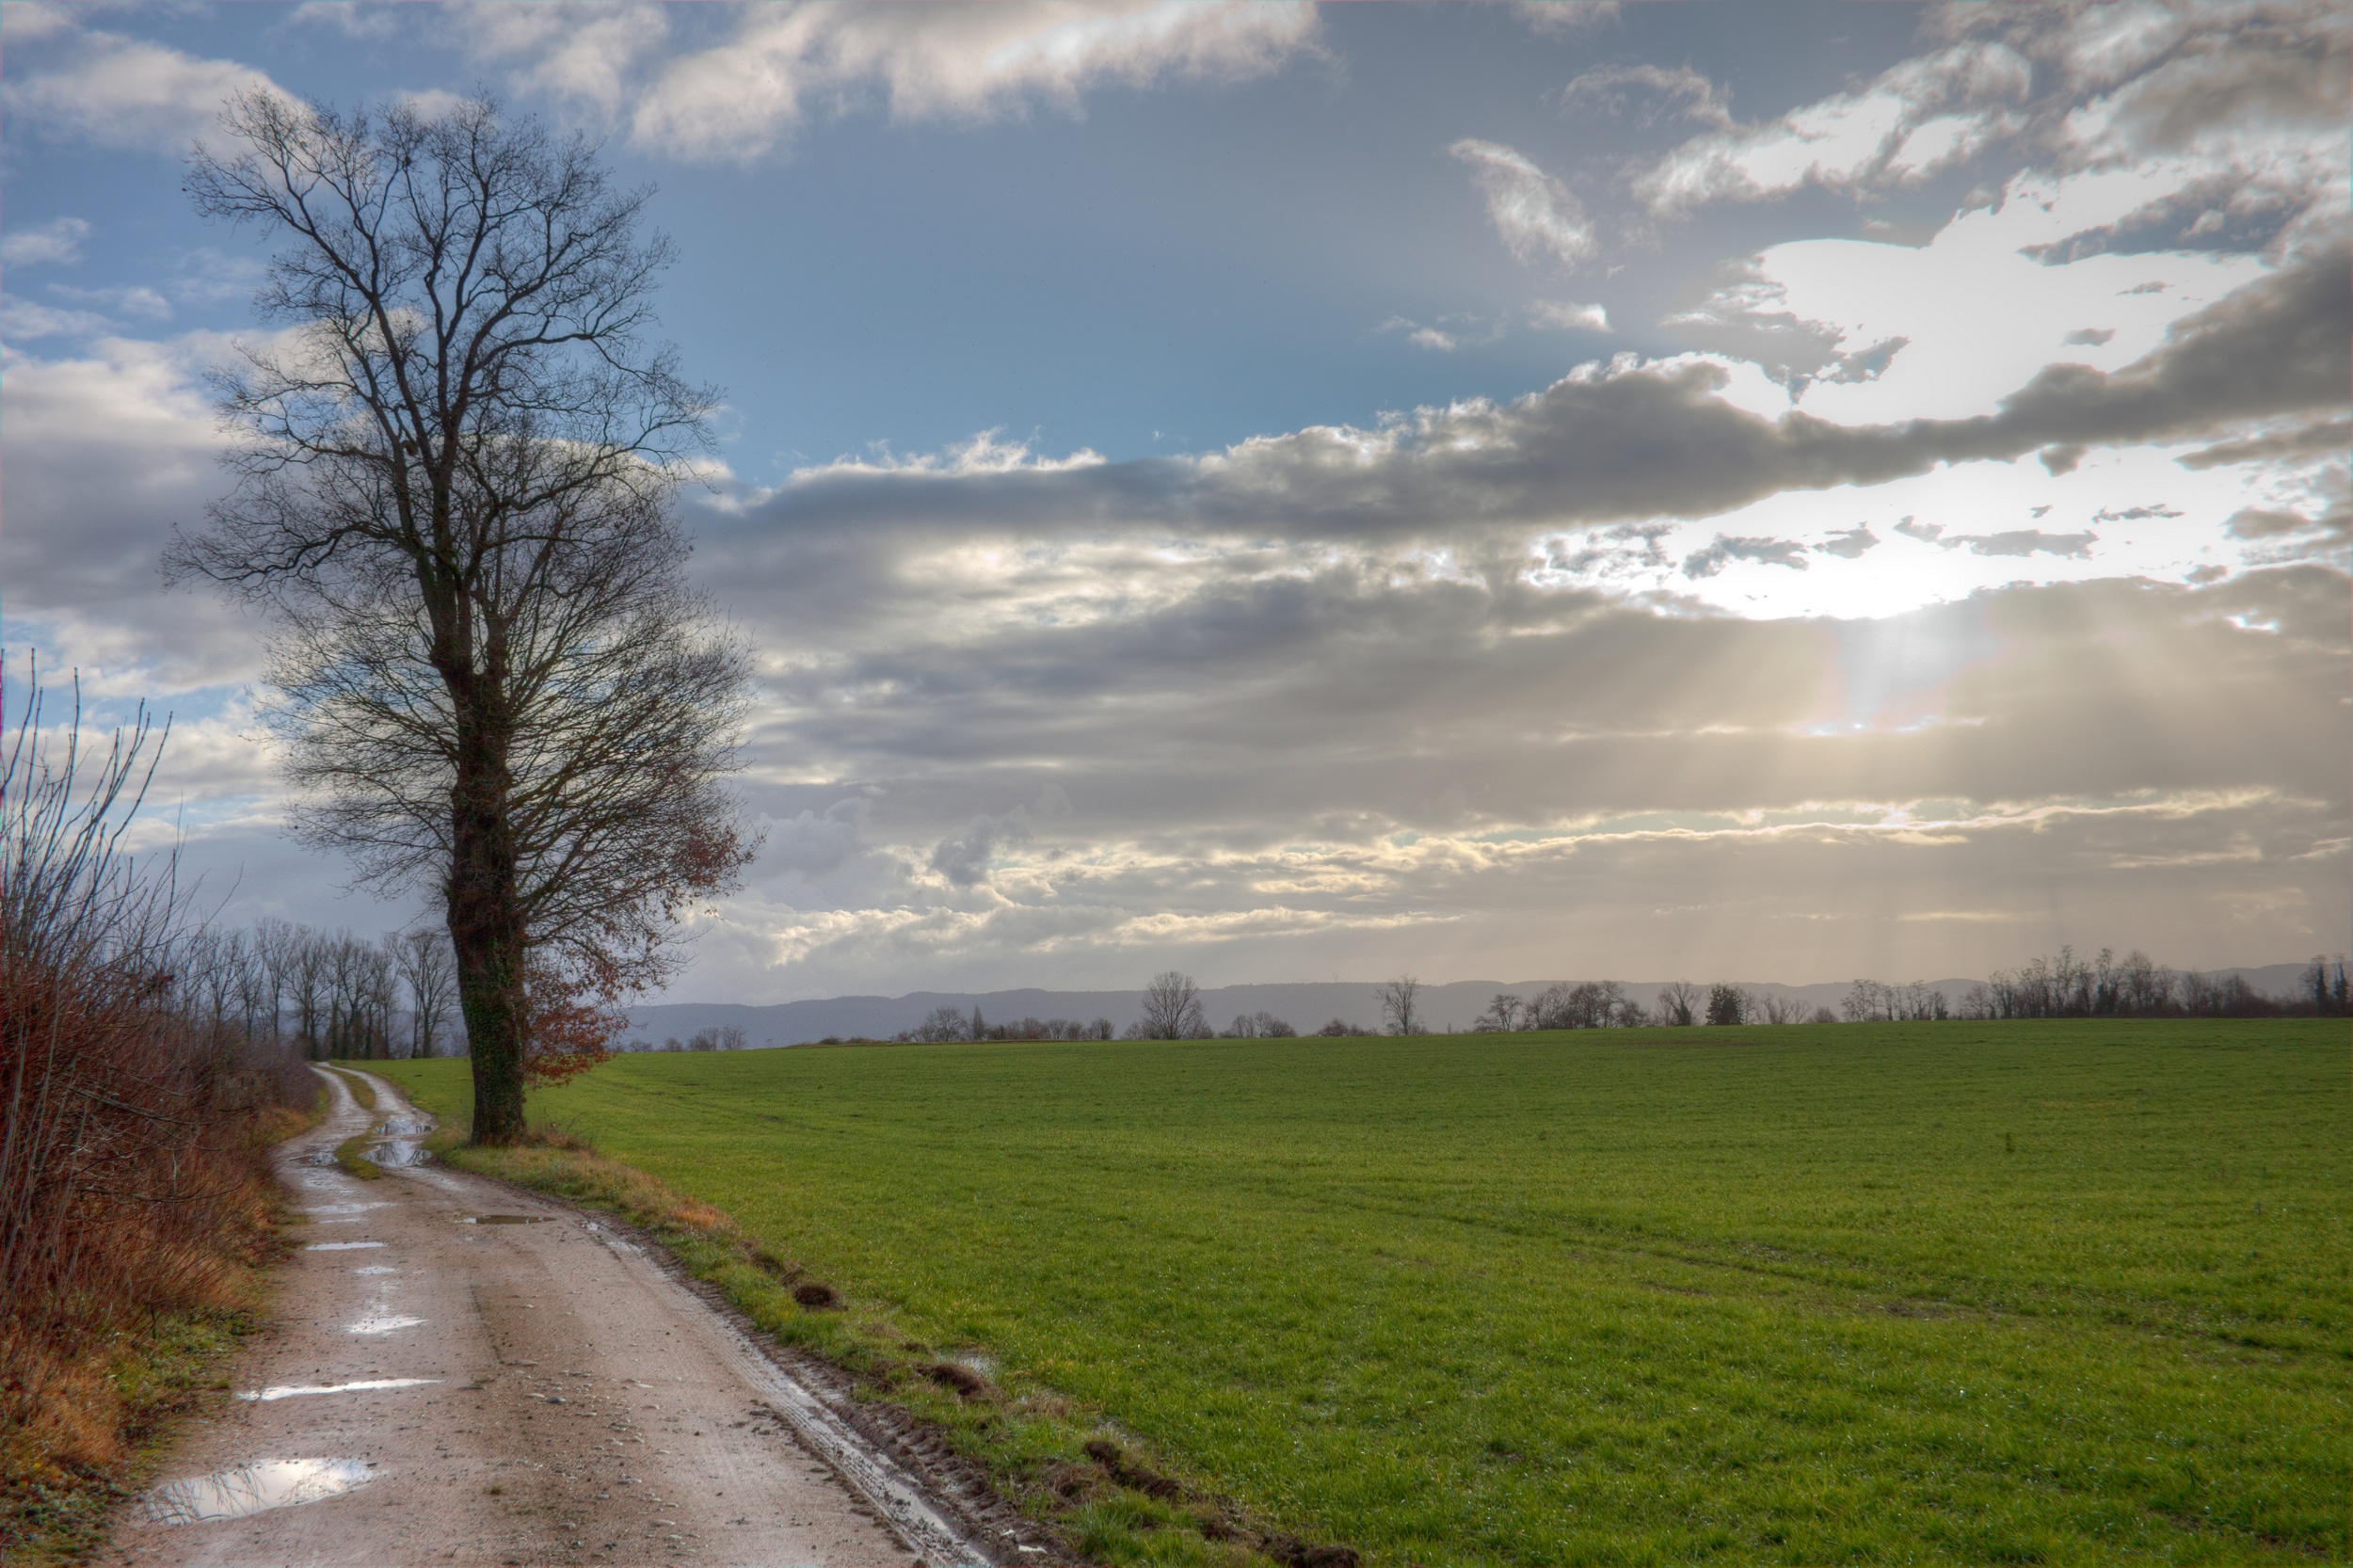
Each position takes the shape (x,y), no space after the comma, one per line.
(2061,986)
(949,1024)
(335,994)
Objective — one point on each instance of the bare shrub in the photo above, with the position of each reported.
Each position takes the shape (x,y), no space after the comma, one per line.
(134,1179)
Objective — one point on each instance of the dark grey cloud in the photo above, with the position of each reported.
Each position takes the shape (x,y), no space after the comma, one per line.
(1636,442)
(1849,543)
(1707,562)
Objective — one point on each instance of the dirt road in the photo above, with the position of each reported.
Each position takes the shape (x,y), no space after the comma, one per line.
(463,1375)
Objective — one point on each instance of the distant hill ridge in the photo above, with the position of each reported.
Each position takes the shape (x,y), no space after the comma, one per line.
(1306,1006)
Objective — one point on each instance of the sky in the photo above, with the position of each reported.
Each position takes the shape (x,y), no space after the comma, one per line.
(1784,493)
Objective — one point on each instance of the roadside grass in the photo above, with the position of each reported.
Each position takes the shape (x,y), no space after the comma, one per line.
(2063,1292)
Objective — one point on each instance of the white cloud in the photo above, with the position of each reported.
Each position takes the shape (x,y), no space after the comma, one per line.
(1535,213)
(738,100)
(1568,317)
(126,92)
(1913,119)
(1613,89)
(58,242)
(591,54)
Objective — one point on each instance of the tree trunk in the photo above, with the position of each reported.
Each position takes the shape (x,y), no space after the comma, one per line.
(486,926)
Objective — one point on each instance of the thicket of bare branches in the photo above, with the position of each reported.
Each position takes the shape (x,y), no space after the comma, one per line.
(491,677)
(138,1107)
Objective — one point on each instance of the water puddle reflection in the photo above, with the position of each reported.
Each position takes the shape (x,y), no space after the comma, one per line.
(504,1219)
(376,1269)
(382,1325)
(400,1147)
(288,1391)
(339,1246)
(252,1489)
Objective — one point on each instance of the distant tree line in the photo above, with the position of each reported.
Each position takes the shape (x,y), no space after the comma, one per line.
(333,993)
(718,1037)
(2062,986)
(950,1024)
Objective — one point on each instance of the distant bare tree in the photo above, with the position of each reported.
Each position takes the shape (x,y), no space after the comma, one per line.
(429,969)
(1782,1009)
(1172,1009)
(1679,1003)
(1260,1025)
(491,679)
(1340,1029)
(944,1024)
(1502,1014)
(1400,1010)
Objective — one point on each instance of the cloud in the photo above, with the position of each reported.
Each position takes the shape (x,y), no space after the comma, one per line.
(585,55)
(123,92)
(106,452)
(738,99)
(1569,317)
(1681,92)
(963,857)
(1772,552)
(1535,213)
(2022,542)
(814,842)
(1915,119)
(2207,126)
(1848,543)
(58,242)
(1348,767)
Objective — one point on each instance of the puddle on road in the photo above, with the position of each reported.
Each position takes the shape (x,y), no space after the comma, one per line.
(504,1219)
(288,1391)
(339,1246)
(382,1325)
(376,1269)
(400,1147)
(252,1489)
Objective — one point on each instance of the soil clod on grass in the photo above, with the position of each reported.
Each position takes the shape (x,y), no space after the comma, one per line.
(816,1296)
(962,1380)
(1129,1473)
(1291,1552)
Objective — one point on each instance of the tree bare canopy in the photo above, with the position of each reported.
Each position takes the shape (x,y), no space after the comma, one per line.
(489,673)
(1400,1006)
(1172,1010)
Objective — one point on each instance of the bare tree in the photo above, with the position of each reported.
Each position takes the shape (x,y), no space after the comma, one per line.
(429,969)
(1400,1010)
(491,676)
(1679,1003)
(1172,1009)
(1502,1014)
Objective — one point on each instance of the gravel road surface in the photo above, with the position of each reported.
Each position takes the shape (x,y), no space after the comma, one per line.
(461,1374)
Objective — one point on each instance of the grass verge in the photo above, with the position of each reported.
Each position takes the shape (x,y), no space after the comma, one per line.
(1059,1462)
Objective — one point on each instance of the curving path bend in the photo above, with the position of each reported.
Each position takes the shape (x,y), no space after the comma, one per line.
(462,1374)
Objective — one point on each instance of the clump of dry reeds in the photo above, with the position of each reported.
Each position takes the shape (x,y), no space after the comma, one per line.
(134,1177)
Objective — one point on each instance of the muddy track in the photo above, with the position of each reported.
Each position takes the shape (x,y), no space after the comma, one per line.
(463,1373)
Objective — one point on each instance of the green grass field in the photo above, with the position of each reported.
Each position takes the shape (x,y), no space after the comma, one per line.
(2059,1292)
